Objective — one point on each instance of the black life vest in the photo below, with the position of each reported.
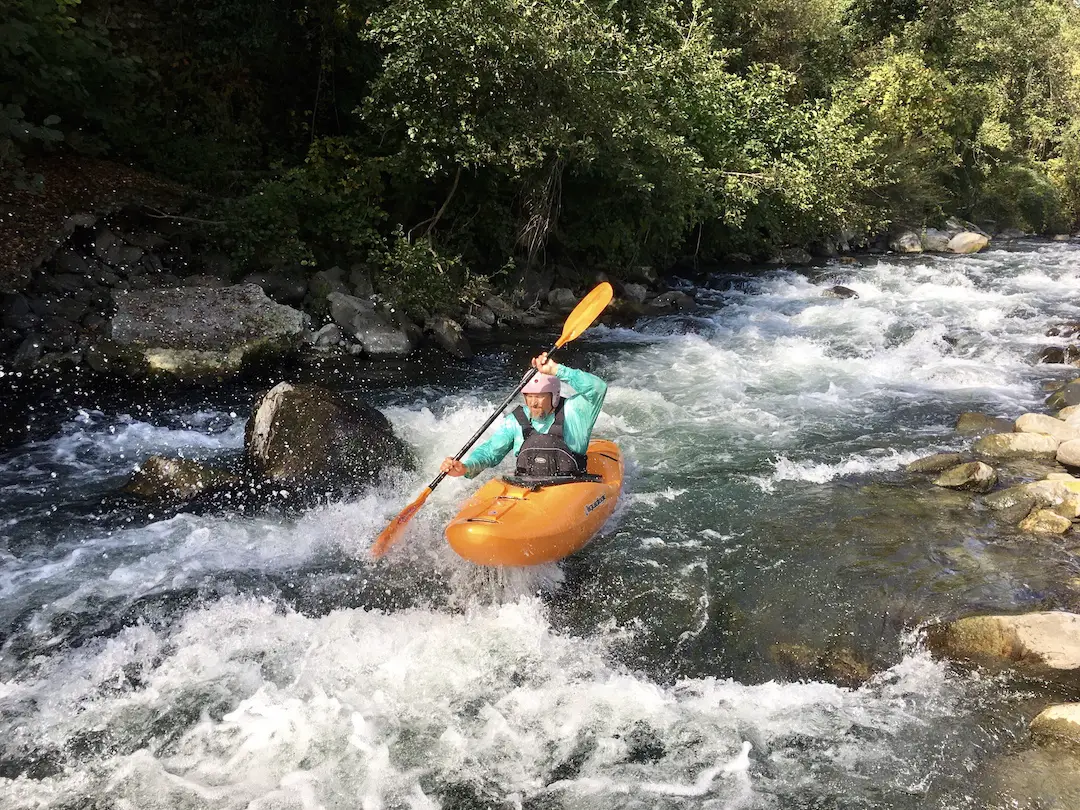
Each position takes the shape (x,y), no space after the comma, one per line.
(545,455)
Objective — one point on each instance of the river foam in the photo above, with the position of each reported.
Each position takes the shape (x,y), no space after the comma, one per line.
(234,661)
(242,704)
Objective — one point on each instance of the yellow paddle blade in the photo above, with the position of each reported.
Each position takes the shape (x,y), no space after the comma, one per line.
(393,531)
(587,311)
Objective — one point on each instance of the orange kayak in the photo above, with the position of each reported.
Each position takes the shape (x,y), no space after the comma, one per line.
(509,523)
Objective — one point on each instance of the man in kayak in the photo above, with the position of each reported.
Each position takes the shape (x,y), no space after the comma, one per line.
(552,438)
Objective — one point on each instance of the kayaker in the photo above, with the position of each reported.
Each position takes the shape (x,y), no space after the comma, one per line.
(552,438)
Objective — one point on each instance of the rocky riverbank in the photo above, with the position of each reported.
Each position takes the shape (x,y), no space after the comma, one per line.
(1024,474)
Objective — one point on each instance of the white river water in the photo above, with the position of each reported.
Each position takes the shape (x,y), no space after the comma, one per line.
(262,661)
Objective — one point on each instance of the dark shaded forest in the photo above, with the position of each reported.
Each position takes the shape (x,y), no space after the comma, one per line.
(439,143)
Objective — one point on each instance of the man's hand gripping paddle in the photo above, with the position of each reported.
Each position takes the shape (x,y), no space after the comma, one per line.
(577,322)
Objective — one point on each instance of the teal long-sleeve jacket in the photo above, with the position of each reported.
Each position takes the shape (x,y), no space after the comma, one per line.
(579,415)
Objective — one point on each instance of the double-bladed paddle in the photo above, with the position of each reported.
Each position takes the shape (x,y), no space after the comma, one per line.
(587,311)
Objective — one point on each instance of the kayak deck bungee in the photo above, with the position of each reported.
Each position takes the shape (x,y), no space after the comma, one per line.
(516,523)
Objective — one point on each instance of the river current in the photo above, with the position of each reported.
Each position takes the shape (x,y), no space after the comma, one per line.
(263,661)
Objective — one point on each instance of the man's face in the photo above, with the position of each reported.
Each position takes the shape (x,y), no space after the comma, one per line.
(539,405)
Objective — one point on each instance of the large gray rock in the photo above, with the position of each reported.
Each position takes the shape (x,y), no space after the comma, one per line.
(1039,641)
(312,438)
(1068,453)
(935,241)
(1058,723)
(906,242)
(792,257)
(1016,445)
(674,300)
(636,293)
(1044,494)
(373,330)
(1045,521)
(935,463)
(839,291)
(1067,395)
(192,332)
(972,422)
(975,476)
(176,479)
(450,336)
(1046,425)
(562,299)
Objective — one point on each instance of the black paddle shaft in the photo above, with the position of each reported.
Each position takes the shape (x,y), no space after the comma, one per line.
(492,418)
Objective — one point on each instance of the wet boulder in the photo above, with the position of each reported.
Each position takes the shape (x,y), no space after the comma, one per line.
(972,422)
(906,242)
(1068,453)
(176,480)
(1044,642)
(193,332)
(935,241)
(562,299)
(842,666)
(839,291)
(371,328)
(1046,494)
(1058,723)
(1047,426)
(968,242)
(1067,395)
(1016,445)
(1045,521)
(974,476)
(673,301)
(935,463)
(450,336)
(311,438)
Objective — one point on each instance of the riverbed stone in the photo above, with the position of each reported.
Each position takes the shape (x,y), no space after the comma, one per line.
(1070,414)
(193,332)
(1060,355)
(329,335)
(29,352)
(175,479)
(792,257)
(474,324)
(1045,521)
(839,291)
(968,242)
(1046,777)
(936,462)
(310,437)
(325,282)
(906,242)
(636,293)
(842,666)
(450,336)
(1068,453)
(974,476)
(972,422)
(1058,723)
(935,241)
(1047,493)
(1047,640)
(1068,394)
(1016,445)
(673,300)
(1046,425)
(373,330)
(562,299)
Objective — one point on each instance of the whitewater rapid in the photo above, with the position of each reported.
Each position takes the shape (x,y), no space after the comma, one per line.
(229,660)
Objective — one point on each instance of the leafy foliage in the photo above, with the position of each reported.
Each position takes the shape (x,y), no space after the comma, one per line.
(436,140)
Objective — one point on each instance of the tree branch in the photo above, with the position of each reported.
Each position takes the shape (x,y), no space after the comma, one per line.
(156,214)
